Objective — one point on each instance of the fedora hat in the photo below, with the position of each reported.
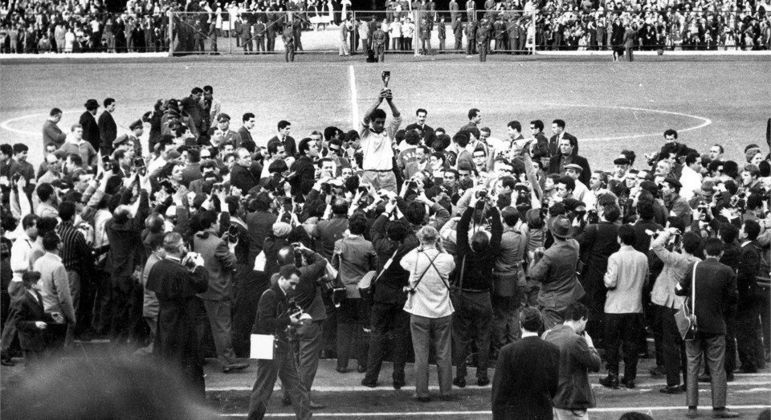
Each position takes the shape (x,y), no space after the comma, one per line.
(560,227)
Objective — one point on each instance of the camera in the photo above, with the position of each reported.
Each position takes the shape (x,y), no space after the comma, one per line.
(233,234)
(481,195)
(189,260)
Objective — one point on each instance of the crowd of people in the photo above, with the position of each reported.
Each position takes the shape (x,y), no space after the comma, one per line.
(354,244)
(143,26)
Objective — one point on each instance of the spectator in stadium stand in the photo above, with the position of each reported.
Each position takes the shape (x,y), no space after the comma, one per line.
(283,138)
(578,356)
(108,130)
(375,142)
(715,290)
(527,373)
(176,279)
(52,134)
(555,269)
(88,122)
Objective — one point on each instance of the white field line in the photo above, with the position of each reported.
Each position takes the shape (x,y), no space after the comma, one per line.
(704,411)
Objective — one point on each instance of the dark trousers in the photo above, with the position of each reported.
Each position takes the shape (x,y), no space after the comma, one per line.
(248,292)
(351,318)
(306,346)
(747,329)
(284,367)
(102,302)
(730,342)
(15,291)
(673,347)
(622,330)
(86,307)
(388,319)
(121,299)
(505,327)
(712,348)
(471,323)
(764,306)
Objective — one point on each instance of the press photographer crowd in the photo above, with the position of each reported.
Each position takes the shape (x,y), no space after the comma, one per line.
(397,241)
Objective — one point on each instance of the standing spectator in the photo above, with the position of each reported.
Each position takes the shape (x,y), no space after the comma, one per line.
(555,269)
(558,128)
(354,256)
(457,31)
(527,375)
(126,260)
(474,311)
(748,310)
(715,290)
(598,241)
(246,172)
(345,32)
(508,281)
(220,262)
(30,319)
(175,280)
(108,130)
(247,123)
(430,309)
(283,138)
(395,33)
(88,122)
(274,315)
(288,36)
(52,134)
(377,161)
(676,257)
(630,34)
(303,169)
(77,258)
(577,357)
(379,40)
(150,306)
(55,290)
(568,155)
(364,35)
(625,277)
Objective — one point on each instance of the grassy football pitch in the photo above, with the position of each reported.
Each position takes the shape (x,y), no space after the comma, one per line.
(608,106)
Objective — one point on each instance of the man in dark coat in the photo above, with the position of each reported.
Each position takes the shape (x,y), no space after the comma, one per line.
(567,154)
(175,280)
(89,124)
(715,291)
(303,171)
(527,374)
(598,242)
(125,261)
(108,130)
(246,172)
(748,314)
(558,128)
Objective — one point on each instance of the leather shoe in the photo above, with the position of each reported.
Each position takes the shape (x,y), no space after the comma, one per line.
(724,414)
(674,389)
(657,371)
(6,361)
(483,381)
(316,406)
(234,366)
(629,383)
(398,384)
(368,384)
(341,370)
(459,382)
(609,381)
(692,413)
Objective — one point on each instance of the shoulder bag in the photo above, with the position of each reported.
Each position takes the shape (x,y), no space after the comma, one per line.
(685,318)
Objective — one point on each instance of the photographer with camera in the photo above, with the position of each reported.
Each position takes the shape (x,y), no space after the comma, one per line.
(306,342)
(177,280)
(471,297)
(275,313)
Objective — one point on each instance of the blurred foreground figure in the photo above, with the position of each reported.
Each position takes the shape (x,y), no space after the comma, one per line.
(102,387)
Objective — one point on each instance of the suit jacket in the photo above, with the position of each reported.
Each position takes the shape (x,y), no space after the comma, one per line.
(219,263)
(526,380)
(289,144)
(108,131)
(245,178)
(556,270)
(90,129)
(246,140)
(554,143)
(304,176)
(52,134)
(715,293)
(748,270)
(191,173)
(272,316)
(354,257)
(586,173)
(24,312)
(576,360)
